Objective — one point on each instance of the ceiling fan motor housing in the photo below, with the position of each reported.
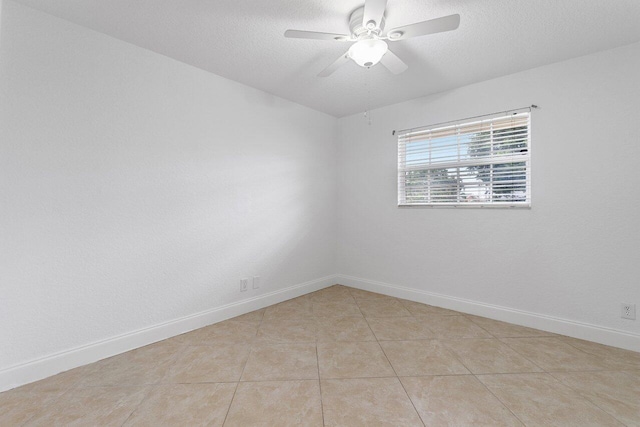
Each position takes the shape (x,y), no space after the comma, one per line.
(357,27)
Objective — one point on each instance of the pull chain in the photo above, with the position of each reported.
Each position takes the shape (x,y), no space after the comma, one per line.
(367,84)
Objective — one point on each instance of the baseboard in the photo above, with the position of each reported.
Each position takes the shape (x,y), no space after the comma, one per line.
(53,364)
(50,365)
(585,331)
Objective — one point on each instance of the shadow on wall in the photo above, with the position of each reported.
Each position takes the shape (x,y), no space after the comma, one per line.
(264,99)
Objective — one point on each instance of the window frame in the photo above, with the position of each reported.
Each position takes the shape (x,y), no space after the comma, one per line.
(459,164)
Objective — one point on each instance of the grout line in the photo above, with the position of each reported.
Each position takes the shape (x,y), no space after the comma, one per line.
(150,387)
(568,342)
(252,344)
(243,368)
(392,367)
(144,399)
(498,399)
(449,375)
(398,378)
(522,355)
(479,326)
(281,380)
(320,385)
(453,354)
(587,398)
(230,404)
(376,377)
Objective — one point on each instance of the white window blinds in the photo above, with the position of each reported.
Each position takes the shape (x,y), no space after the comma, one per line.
(482,162)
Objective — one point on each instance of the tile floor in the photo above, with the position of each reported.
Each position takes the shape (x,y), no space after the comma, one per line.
(344,357)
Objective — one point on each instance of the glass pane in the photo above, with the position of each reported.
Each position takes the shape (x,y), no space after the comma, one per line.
(444,185)
(510,182)
(475,184)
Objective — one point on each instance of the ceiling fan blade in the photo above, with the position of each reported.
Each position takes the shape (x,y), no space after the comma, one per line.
(336,64)
(438,25)
(296,34)
(373,11)
(393,63)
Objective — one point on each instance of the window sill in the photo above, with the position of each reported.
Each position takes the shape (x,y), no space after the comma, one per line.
(469,206)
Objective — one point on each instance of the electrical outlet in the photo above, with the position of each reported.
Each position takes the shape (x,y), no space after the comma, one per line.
(244,285)
(256,282)
(628,311)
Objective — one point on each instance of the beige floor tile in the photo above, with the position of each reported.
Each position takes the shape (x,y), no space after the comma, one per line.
(254,316)
(276,403)
(541,400)
(291,361)
(200,364)
(360,295)
(91,406)
(352,360)
(233,331)
(335,309)
(418,309)
(184,405)
(614,358)
(459,400)
(376,297)
(195,337)
(229,331)
(453,327)
(413,358)
(17,407)
(615,392)
(552,354)
(336,287)
(382,308)
(507,330)
(133,367)
(489,356)
(367,402)
(297,308)
(399,328)
(635,374)
(287,330)
(60,382)
(343,329)
(332,294)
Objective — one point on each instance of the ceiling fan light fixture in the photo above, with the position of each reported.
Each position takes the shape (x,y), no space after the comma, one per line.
(368,52)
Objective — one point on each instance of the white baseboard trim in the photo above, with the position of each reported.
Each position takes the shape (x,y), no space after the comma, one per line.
(585,331)
(47,366)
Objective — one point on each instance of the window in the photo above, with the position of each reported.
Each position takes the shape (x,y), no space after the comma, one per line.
(482,162)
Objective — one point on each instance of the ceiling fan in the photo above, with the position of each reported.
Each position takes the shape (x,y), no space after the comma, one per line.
(367,25)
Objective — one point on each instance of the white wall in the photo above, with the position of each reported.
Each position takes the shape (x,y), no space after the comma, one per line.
(573,256)
(0,21)
(136,190)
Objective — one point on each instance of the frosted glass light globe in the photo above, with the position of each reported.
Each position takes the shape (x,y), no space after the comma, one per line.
(368,52)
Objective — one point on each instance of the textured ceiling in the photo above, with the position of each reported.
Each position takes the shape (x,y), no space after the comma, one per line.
(243,40)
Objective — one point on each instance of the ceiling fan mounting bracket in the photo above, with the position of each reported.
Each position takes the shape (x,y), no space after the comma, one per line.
(358,29)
